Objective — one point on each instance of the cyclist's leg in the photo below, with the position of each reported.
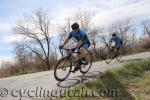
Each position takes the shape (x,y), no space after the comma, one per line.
(81,54)
(117,48)
(118,45)
(83,51)
(78,57)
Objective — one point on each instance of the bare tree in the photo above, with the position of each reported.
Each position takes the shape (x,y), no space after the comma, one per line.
(122,27)
(102,36)
(146,27)
(64,30)
(21,54)
(36,32)
(83,18)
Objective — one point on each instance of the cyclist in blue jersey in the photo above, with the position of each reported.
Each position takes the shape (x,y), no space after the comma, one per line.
(83,43)
(118,42)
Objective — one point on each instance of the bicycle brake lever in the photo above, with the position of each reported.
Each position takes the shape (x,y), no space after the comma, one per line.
(61,52)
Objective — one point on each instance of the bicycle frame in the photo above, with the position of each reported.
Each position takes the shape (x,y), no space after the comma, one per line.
(69,55)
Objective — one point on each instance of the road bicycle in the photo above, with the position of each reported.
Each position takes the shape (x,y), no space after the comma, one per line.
(66,64)
(111,53)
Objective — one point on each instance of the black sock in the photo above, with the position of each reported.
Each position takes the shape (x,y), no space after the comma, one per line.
(83,58)
(79,62)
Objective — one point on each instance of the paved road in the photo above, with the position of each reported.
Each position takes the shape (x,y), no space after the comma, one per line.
(36,86)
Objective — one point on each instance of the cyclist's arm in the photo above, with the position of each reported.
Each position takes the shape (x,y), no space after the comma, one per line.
(66,41)
(79,44)
(111,41)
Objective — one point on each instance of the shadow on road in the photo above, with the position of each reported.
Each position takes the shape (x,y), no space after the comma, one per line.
(78,79)
(68,83)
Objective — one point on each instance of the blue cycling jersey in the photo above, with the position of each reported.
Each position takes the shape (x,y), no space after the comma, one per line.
(117,40)
(80,35)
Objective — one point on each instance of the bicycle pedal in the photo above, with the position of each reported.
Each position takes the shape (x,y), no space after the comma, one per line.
(75,69)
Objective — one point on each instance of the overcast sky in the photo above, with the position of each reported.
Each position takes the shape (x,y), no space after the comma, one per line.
(105,12)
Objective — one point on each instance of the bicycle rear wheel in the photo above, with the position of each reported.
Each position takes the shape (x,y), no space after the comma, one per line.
(88,59)
(62,69)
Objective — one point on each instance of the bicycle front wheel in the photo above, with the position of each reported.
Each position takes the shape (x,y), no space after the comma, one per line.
(62,69)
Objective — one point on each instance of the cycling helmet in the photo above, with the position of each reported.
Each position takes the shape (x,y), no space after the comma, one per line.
(75,26)
(114,34)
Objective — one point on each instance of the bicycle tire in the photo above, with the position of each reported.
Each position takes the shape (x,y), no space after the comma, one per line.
(57,68)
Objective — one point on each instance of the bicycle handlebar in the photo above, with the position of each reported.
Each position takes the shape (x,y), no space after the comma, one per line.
(61,52)
(60,49)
